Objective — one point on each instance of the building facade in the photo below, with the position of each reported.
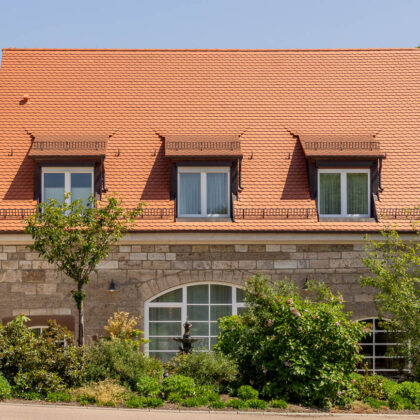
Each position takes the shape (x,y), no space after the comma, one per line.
(273,162)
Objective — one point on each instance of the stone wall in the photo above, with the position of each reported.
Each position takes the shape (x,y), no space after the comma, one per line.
(32,286)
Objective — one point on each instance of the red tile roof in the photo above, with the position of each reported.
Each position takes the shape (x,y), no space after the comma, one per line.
(263,97)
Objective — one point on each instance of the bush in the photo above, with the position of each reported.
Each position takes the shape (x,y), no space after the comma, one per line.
(174,398)
(154,402)
(148,387)
(256,404)
(207,391)
(206,368)
(246,392)
(218,404)
(410,391)
(397,402)
(122,327)
(40,364)
(370,386)
(374,403)
(121,360)
(194,402)
(237,404)
(5,388)
(182,385)
(134,401)
(292,346)
(38,381)
(29,395)
(278,404)
(61,396)
(106,392)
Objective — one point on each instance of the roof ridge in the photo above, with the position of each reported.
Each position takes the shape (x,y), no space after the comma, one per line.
(213,49)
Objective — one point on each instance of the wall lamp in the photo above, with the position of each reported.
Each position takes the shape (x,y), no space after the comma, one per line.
(112,287)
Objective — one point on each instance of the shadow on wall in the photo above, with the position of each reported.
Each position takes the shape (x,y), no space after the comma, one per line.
(296,186)
(157,184)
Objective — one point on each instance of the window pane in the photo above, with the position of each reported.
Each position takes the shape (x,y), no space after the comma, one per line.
(164,343)
(199,328)
(329,194)
(190,193)
(217,312)
(165,314)
(367,351)
(203,344)
(241,311)
(213,341)
(81,186)
(214,328)
(217,193)
(165,328)
(357,194)
(54,186)
(198,294)
(197,313)
(240,295)
(221,294)
(174,296)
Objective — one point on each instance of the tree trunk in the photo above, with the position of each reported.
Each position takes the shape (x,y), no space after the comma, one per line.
(81,337)
(80,307)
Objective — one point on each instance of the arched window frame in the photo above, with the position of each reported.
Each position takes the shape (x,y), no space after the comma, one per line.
(374,344)
(183,305)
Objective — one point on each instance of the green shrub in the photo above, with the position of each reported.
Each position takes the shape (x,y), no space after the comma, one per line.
(39,381)
(29,395)
(370,386)
(194,402)
(207,391)
(278,404)
(246,392)
(390,388)
(154,402)
(60,396)
(122,360)
(182,385)
(410,391)
(5,388)
(206,368)
(374,403)
(135,402)
(174,398)
(237,404)
(148,387)
(217,404)
(397,402)
(256,404)
(285,344)
(40,363)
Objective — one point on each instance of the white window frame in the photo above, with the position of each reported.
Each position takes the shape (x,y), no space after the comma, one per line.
(203,171)
(183,305)
(374,330)
(343,186)
(67,171)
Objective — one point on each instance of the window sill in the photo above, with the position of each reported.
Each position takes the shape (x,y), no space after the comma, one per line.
(347,219)
(204,219)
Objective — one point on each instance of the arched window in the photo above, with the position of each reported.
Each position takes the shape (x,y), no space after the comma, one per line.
(200,304)
(378,350)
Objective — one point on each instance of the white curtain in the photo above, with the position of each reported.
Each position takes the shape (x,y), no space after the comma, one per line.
(190,193)
(217,196)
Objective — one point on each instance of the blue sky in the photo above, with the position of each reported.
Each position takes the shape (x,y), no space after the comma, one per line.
(209,23)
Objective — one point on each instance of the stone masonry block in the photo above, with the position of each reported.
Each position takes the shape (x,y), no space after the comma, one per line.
(284,264)
(241,248)
(272,248)
(247,265)
(9,248)
(107,265)
(170,256)
(288,248)
(138,256)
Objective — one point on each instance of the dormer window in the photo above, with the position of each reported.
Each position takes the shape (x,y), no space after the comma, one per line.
(56,182)
(344,192)
(203,191)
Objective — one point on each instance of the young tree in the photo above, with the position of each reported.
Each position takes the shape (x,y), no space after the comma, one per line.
(395,265)
(76,237)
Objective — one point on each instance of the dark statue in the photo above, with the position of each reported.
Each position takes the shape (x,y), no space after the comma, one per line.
(186,340)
